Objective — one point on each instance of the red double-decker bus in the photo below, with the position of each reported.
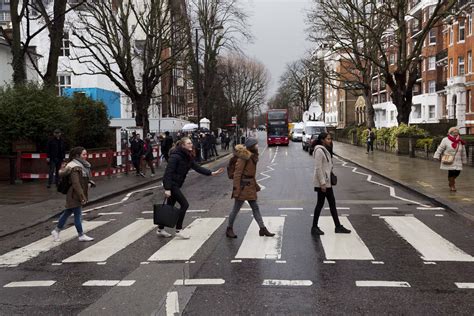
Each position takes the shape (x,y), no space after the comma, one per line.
(277,127)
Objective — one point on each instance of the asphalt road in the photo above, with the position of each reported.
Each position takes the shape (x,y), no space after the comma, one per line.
(404,255)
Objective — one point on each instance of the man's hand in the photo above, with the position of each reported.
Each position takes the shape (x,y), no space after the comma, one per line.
(218,172)
(167,193)
(323,188)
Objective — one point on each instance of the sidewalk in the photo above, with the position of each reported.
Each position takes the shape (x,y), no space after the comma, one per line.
(419,175)
(28,204)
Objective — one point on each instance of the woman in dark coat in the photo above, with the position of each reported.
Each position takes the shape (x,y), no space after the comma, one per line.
(148,149)
(245,186)
(180,161)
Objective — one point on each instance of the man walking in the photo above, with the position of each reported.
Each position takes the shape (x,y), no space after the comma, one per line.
(370,140)
(166,145)
(136,149)
(213,145)
(56,152)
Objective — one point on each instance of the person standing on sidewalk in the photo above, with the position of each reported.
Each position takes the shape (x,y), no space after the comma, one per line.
(136,150)
(370,140)
(56,152)
(180,161)
(454,147)
(245,186)
(78,169)
(166,145)
(322,183)
(148,155)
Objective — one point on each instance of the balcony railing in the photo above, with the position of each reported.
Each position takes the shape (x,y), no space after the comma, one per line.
(442,55)
(440,86)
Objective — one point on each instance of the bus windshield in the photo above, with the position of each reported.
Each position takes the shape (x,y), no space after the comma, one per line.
(311,130)
(277,131)
(276,115)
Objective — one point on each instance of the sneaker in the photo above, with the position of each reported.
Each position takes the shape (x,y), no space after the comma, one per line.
(342,230)
(55,235)
(152,175)
(182,235)
(316,231)
(163,233)
(84,237)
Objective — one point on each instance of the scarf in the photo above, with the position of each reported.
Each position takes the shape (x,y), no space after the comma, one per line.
(455,141)
(85,166)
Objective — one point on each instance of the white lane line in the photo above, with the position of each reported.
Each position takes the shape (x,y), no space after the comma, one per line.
(235,261)
(369,179)
(101,263)
(339,208)
(245,209)
(144,262)
(290,209)
(429,262)
(255,247)
(30,283)
(23,254)
(385,208)
(283,215)
(107,247)
(342,246)
(430,245)
(147,212)
(329,261)
(200,230)
(199,282)
(280,261)
(111,213)
(56,264)
(378,262)
(382,284)
(172,304)
(197,211)
(101,283)
(126,283)
(273,282)
(376,215)
(439,215)
(430,208)
(464,285)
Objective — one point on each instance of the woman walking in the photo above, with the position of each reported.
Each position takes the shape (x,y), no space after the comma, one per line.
(452,153)
(78,169)
(322,183)
(148,148)
(245,186)
(181,159)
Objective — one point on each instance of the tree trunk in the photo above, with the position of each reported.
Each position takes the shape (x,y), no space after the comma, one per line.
(56,36)
(370,121)
(142,103)
(403,102)
(18,60)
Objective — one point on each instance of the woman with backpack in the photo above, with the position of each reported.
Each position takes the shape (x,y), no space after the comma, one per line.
(322,183)
(181,160)
(78,170)
(245,186)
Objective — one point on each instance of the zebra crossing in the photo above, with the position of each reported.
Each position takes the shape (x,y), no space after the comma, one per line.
(431,246)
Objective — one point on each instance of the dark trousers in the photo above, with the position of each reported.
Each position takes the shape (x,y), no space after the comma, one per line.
(454,173)
(370,146)
(54,166)
(178,196)
(214,150)
(329,195)
(150,164)
(136,163)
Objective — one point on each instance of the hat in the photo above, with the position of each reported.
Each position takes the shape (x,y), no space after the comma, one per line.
(57,131)
(250,142)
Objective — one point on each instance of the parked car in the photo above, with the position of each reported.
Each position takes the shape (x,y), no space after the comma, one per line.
(311,128)
(312,144)
(297,135)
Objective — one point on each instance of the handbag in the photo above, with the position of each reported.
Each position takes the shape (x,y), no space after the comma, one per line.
(165,215)
(333,179)
(448,159)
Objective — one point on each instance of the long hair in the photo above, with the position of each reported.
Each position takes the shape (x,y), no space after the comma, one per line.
(319,141)
(180,145)
(75,153)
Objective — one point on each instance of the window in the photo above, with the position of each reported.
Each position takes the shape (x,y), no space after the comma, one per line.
(432,63)
(5,17)
(64,81)
(469,105)
(417,111)
(392,59)
(461,70)
(451,35)
(431,86)
(6,1)
(469,61)
(432,37)
(383,98)
(469,25)
(65,44)
(451,68)
(431,111)
(461,30)
(392,116)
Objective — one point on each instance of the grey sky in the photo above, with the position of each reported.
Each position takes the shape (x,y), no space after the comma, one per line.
(278,27)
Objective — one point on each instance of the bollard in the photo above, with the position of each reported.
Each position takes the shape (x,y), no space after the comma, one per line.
(426,151)
(411,147)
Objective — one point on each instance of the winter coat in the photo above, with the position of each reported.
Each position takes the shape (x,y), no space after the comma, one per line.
(245,186)
(167,144)
(148,151)
(79,184)
(178,167)
(446,148)
(322,167)
(136,147)
(56,149)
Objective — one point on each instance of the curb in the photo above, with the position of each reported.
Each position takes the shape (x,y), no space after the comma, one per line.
(105,197)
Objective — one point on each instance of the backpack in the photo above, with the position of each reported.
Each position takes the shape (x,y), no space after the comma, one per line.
(64,184)
(231,166)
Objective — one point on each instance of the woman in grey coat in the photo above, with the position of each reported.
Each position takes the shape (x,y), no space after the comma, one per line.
(452,145)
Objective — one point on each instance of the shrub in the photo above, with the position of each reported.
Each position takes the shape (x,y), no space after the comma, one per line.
(404,130)
(420,143)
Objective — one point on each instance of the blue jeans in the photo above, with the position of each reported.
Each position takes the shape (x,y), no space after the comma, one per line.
(77,218)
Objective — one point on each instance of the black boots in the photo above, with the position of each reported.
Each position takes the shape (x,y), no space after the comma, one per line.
(316,231)
(230,233)
(342,230)
(264,232)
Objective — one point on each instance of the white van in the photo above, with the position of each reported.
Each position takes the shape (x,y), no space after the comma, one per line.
(297,135)
(312,128)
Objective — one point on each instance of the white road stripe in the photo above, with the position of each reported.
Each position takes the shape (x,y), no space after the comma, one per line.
(339,208)
(245,209)
(255,247)
(177,249)
(17,256)
(463,285)
(126,283)
(329,261)
(342,246)
(235,261)
(382,284)
(439,215)
(197,211)
(147,212)
(430,208)
(30,283)
(107,247)
(290,209)
(270,282)
(172,303)
(111,213)
(199,282)
(101,283)
(428,243)
(385,208)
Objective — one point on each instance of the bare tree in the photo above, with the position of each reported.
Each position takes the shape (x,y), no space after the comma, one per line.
(244,82)
(133,43)
(221,25)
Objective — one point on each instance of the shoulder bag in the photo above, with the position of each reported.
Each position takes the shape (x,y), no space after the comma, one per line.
(164,214)
(333,176)
(448,159)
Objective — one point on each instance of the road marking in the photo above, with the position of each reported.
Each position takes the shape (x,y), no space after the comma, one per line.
(339,208)
(255,247)
(280,261)
(126,283)
(329,261)
(430,245)
(197,211)
(56,264)
(199,282)
(30,283)
(172,304)
(283,215)
(17,256)
(199,230)
(102,263)
(463,285)
(111,213)
(439,215)
(107,247)
(101,283)
(429,262)
(378,262)
(342,246)
(385,208)
(270,282)
(245,209)
(144,262)
(290,209)
(147,212)
(235,261)
(376,215)
(430,208)
(382,284)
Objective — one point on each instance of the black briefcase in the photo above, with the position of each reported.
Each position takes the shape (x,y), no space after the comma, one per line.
(164,214)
